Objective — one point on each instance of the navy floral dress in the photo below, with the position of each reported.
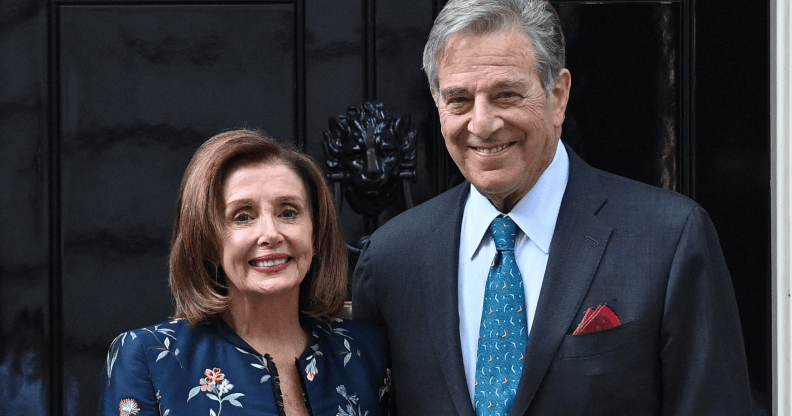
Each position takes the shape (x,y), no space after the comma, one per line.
(172,369)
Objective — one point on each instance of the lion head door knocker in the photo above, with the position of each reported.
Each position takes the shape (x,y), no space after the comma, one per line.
(370,155)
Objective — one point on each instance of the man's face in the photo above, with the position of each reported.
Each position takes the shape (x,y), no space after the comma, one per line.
(499,125)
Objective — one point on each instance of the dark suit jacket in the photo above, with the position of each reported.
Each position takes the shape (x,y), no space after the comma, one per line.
(650,254)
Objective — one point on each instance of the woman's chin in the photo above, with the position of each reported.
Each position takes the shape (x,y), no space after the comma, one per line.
(272,288)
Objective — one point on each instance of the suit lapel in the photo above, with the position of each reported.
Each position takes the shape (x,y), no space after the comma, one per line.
(440,267)
(578,244)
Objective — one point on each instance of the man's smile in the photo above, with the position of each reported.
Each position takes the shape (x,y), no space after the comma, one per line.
(490,150)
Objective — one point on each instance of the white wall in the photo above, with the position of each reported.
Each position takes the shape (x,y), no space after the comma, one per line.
(781,189)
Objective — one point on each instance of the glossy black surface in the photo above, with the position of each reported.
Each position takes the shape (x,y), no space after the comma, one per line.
(140,88)
(732,156)
(624,105)
(103,103)
(25,336)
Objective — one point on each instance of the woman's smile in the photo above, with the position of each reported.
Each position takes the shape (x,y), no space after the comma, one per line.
(272,263)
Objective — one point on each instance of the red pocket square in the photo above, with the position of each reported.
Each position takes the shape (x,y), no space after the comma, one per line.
(596,320)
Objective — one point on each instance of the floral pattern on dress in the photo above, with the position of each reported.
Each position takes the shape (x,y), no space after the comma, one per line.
(216,385)
(159,405)
(310,369)
(261,364)
(164,346)
(128,407)
(352,401)
(326,326)
(386,384)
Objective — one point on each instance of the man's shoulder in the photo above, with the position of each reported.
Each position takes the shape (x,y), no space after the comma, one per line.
(592,184)
(627,202)
(624,190)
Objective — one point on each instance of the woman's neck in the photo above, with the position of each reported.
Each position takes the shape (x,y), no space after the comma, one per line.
(271,325)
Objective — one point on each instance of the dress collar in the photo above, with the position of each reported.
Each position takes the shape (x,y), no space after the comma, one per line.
(318,327)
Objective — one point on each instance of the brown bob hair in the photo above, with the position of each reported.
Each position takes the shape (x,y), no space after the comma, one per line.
(196,278)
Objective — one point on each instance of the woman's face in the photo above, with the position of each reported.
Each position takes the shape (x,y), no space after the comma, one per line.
(267,243)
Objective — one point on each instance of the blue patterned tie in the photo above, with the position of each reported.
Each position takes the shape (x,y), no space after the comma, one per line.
(502,335)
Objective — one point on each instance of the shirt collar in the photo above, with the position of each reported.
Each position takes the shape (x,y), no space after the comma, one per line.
(535,213)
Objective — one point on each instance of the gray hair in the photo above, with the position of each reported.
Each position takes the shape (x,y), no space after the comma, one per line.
(537,19)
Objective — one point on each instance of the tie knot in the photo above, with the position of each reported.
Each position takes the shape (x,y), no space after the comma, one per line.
(504,231)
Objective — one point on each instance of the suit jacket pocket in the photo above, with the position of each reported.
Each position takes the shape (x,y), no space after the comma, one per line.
(602,342)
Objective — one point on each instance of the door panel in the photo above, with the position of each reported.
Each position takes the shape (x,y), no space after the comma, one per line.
(626,102)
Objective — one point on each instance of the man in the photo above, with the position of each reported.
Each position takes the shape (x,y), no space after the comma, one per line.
(646,259)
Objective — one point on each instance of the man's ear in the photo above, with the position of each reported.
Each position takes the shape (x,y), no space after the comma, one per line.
(561,96)
(434,97)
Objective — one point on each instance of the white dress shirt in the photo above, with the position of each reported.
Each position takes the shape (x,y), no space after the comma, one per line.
(536,215)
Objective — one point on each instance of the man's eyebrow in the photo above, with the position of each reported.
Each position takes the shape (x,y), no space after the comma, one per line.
(452,91)
(511,83)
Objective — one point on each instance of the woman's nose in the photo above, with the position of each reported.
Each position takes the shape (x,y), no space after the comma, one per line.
(268,233)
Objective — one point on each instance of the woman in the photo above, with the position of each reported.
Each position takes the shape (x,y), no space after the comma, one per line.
(257,264)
